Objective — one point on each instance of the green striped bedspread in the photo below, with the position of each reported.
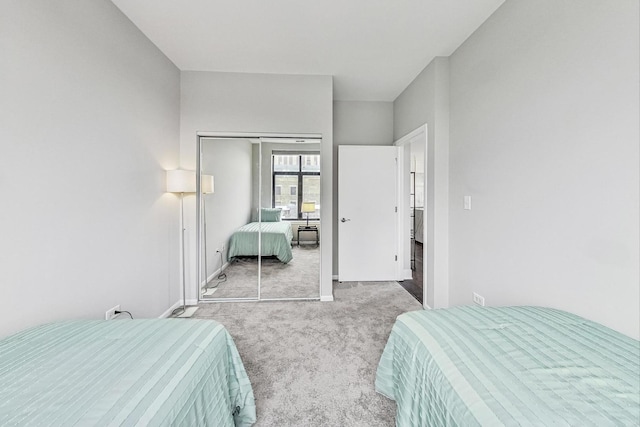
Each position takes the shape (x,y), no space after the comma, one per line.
(512,366)
(156,372)
(276,240)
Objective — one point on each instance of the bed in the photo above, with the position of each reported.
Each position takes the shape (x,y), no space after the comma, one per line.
(156,372)
(276,240)
(514,366)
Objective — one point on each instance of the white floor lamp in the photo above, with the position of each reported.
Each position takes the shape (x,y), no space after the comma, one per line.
(182,181)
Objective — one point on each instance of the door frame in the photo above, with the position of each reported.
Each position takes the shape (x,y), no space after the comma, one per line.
(417,135)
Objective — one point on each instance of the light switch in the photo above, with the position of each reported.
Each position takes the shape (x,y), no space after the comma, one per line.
(467,203)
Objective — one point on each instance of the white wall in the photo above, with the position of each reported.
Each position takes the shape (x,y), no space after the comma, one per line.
(236,102)
(544,137)
(426,100)
(358,123)
(90,120)
(229,206)
(362,123)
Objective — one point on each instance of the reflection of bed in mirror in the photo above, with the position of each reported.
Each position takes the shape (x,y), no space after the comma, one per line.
(276,240)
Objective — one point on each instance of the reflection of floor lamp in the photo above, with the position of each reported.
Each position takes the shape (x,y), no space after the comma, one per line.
(206,186)
(182,181)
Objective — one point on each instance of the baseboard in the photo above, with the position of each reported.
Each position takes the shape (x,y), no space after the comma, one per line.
(326,298)
(170,310)
(192,301)
(407,274)
(334,277)
(427,307)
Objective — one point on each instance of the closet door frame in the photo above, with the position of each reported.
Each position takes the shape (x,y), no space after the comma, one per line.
(199,240)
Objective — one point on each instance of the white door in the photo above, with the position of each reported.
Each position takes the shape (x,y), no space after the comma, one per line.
(367,217)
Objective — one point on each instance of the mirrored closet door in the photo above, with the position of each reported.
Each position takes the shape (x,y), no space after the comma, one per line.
(291,192)
(260,226)
(228,261)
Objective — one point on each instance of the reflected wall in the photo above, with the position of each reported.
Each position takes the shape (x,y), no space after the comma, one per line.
(231,163)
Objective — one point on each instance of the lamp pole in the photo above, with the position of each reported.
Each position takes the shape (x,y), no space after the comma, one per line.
(181,182)
(184,280)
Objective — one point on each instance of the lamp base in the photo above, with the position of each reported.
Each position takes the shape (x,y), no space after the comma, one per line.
(190,311)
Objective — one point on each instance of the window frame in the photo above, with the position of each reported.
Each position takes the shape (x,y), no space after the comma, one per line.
(300,174)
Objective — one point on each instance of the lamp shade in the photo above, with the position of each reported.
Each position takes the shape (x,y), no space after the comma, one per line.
(308,207)
(206,184)
(181,181)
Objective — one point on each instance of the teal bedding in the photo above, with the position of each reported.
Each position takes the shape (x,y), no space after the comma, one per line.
(276,240)
(156,372)
(513,366)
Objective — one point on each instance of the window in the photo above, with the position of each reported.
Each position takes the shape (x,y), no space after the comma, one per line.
(301,174)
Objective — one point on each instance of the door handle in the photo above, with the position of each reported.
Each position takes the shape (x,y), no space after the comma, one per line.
(344,220)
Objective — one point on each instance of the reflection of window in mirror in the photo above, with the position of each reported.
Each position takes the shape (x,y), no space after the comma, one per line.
(301,173)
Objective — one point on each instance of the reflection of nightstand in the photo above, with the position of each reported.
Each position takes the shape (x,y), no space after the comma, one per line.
(311,228)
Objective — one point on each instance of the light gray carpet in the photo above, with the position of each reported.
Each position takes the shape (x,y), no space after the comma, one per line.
(314,363)
(299,278)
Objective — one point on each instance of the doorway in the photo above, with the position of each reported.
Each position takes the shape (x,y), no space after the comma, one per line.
(412,191)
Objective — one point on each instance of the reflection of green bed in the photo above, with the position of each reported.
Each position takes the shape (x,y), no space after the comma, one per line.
(155,372)
(516,366)
(276,240)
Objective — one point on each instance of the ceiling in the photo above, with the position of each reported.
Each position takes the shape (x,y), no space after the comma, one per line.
(373,48)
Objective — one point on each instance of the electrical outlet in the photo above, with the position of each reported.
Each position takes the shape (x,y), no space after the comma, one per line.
(111,313)
(467,203)
(478,299)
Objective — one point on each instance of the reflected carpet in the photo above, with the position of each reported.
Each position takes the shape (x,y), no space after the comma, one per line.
(299,278)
